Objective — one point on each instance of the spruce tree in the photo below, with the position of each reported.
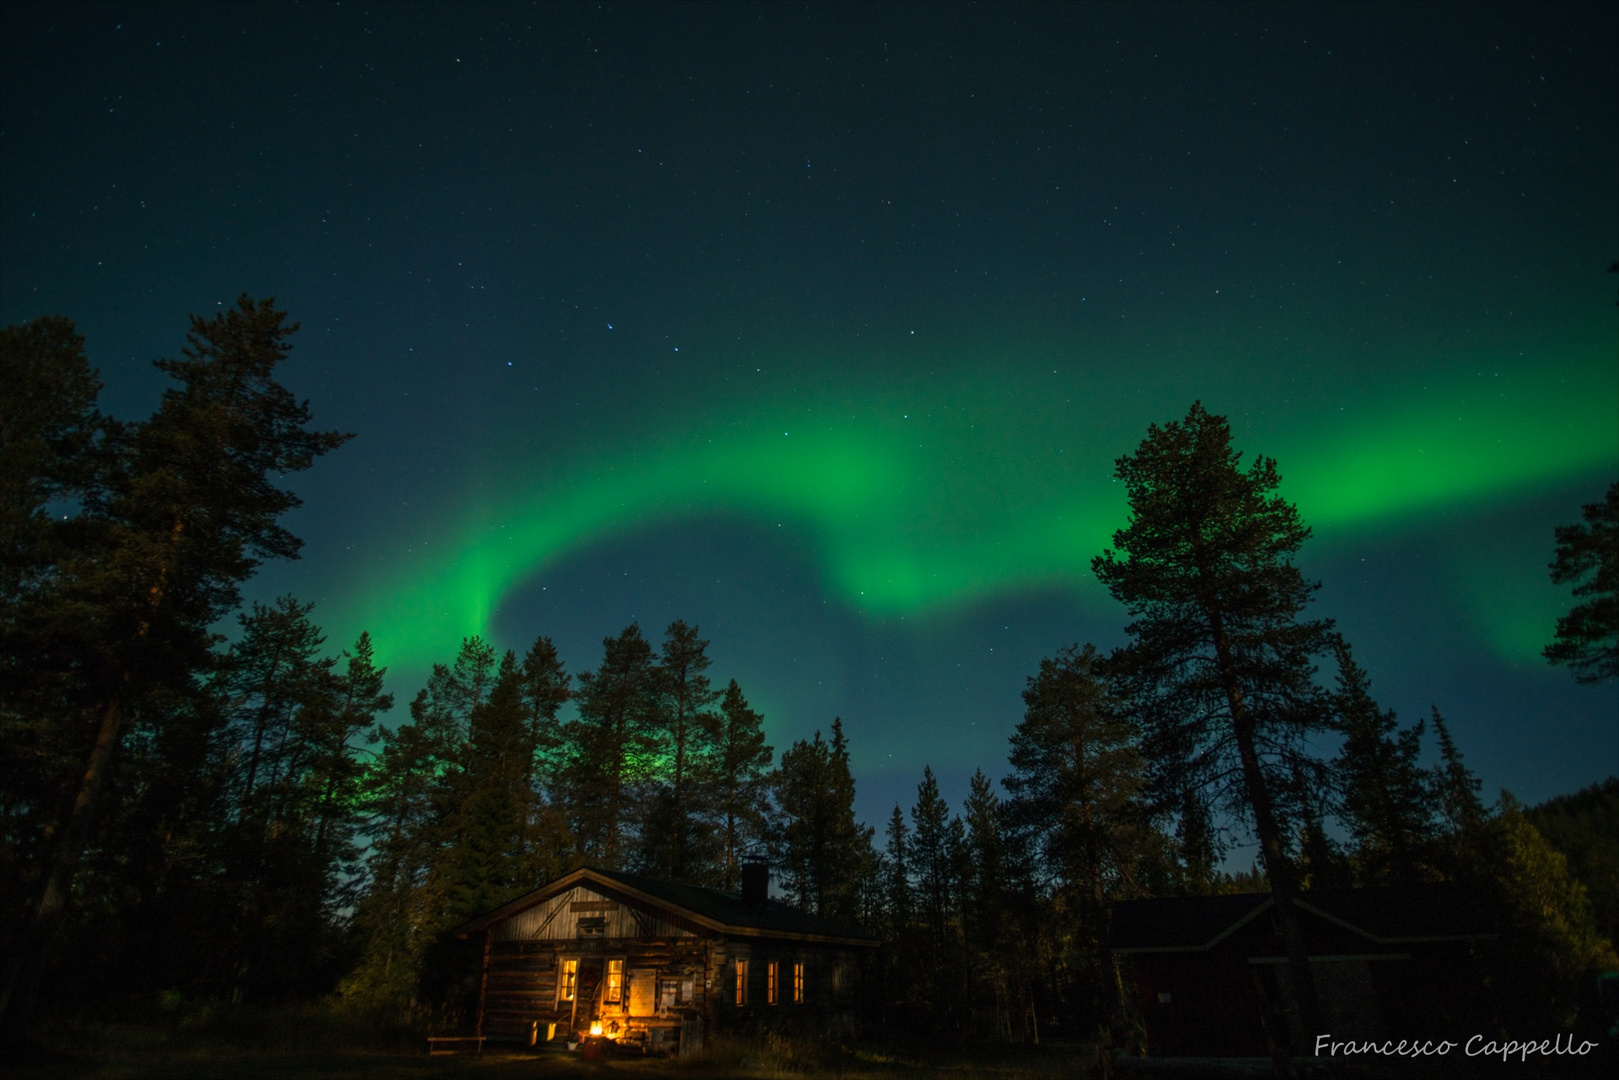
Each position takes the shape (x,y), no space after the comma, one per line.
(612,747)
(984,892)
(930,861)
(483,853)
(897,908)
(546,688)
(824,851)
(336,773)
(672,839)
(1220,666)
(1076,784)
(1385,790)
(1454,786)
(548,847)
(736,775)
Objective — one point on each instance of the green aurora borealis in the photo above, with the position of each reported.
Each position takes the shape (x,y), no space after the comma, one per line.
(918,500)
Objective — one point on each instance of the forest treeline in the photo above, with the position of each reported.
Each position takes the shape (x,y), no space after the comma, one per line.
(249,817)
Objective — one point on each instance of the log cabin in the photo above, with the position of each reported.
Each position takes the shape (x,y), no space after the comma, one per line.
(654,964)
(1211,976)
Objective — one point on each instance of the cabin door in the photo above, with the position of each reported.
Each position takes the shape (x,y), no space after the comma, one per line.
(590,991)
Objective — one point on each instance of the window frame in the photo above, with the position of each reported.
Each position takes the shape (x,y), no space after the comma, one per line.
(613,992)
(567,979)
(798,982)
(772,982)
(741,996)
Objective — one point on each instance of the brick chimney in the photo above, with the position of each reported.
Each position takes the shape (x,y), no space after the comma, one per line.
(755,881)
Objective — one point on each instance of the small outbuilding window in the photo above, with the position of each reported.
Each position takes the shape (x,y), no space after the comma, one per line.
(741,982)
(798,984)
(772,971)
(593,926)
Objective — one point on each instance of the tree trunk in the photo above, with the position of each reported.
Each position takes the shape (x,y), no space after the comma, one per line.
(1278,867)
(27,965)
(1279,872)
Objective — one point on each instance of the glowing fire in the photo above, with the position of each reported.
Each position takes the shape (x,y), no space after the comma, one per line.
(596,1028)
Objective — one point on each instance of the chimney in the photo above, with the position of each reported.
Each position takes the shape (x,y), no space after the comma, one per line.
(755,881)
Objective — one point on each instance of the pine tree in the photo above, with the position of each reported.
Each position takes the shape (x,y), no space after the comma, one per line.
(1384,788)
(49,432)
(1587,638)
(612,747)
(183,509)
(826,854)
(275,684)
(397,793)
(736,774)
(271,672)
(51,438)
(1220,665)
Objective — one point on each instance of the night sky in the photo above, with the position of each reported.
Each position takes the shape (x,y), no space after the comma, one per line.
(821,326)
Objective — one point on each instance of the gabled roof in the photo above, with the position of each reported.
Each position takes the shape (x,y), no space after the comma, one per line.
(723,912)
(1385,915)
(1182,923)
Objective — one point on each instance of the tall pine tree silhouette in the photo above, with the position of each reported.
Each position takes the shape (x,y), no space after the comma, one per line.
(184,508)
(1220,663)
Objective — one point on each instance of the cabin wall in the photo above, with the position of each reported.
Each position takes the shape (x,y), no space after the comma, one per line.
(663,979)
(833,982)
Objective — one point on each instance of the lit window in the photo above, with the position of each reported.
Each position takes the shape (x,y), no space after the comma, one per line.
(741,982)
(798,984)
(615,981)
(770,981)
(570,980)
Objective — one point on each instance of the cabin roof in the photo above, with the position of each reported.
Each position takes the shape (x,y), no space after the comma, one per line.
(1384,915)
(717,910)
